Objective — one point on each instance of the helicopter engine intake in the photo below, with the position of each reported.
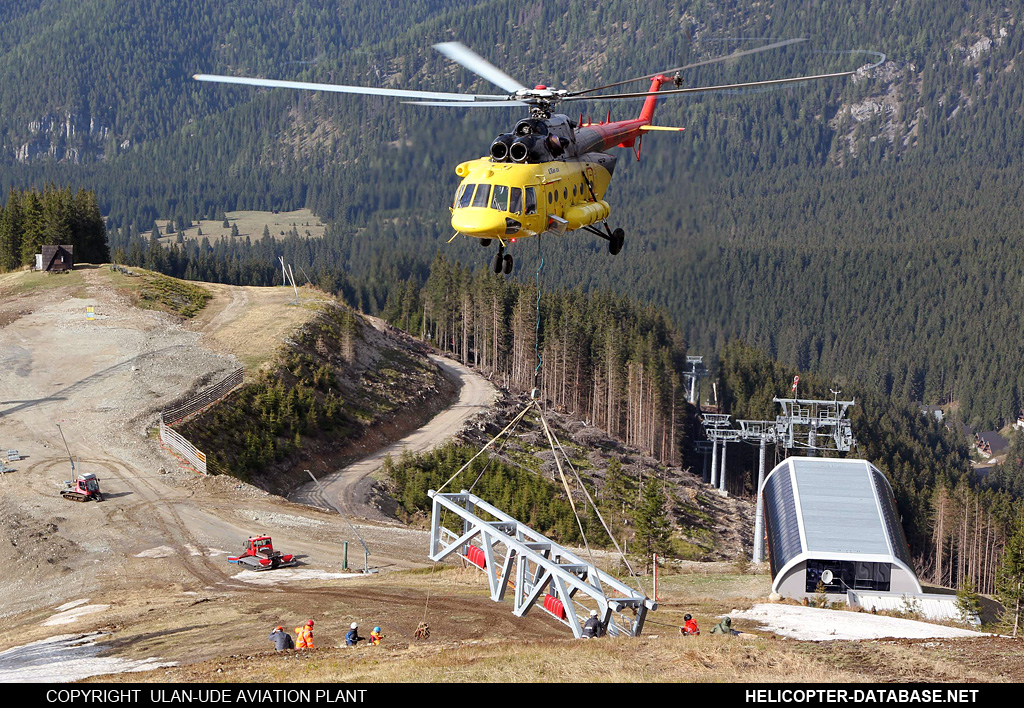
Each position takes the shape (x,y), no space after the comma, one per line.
(522,148)
(500,147)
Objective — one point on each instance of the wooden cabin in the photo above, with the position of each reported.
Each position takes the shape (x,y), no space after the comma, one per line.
(57,259)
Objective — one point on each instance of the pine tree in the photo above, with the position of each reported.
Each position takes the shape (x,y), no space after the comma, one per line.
(968,603)
(32,227)
(651,525)
(11,232)
(1010,579)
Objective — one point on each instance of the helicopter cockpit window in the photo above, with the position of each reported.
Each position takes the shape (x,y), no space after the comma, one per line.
(515,204)
(465,196)
(483,191)
(531,201)
(499,198)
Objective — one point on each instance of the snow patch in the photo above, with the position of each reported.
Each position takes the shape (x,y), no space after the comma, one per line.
(286,575)
(73,614)
(158,552)
(167,551)
(70,605)
(270,519)
(64,658)
(816,625)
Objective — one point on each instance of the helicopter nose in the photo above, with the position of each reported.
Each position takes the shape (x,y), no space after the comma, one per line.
(482,223)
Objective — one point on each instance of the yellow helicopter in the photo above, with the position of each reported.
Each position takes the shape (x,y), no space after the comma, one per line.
(549,174)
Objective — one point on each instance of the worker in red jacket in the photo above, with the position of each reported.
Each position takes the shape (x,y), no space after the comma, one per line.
(690,626)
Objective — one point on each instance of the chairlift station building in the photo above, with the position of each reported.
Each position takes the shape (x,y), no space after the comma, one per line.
(836,515)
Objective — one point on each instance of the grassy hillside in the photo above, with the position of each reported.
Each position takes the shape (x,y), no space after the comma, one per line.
(336,381)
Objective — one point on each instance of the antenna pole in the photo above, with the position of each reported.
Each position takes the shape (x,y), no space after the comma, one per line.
(366,551)
(70,458)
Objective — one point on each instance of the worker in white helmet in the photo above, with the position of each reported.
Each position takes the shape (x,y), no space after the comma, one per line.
(353,638)
(592,628)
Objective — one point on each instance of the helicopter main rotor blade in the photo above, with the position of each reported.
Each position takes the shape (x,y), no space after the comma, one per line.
(461,54)
(468,104)
(339,88)
(734,55)
(724,87)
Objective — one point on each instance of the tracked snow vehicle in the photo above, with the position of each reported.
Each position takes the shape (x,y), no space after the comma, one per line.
(85,488)
(259,554)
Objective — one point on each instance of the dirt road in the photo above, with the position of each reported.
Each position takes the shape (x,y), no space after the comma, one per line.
(349,489)
(147,567)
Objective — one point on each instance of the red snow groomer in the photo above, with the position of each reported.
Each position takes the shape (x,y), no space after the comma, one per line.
(259,554)
(85,488)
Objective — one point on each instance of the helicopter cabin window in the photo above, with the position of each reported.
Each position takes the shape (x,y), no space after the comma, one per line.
(531,201)
(483,191)
(556,196)
(499,198)
(458,195)
(465,196)
(565,193)
(515,203)
(550,198)
(574,191)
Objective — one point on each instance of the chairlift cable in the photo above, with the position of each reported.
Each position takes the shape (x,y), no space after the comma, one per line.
(489,443)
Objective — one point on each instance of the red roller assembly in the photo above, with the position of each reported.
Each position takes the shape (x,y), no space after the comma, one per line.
(475,554)
(553,605)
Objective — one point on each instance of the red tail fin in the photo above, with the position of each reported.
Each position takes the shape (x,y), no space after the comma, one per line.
(647,112)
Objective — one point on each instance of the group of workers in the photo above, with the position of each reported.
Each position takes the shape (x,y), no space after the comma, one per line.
(592,629)
(304,637)
(689,628)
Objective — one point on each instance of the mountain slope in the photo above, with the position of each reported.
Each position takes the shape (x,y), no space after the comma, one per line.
(777,216)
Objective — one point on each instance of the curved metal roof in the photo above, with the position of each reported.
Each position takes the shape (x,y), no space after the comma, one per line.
(831,509)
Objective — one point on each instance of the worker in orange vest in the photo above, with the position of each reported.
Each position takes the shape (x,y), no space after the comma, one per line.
(690,628)
(376,636)
(304,636)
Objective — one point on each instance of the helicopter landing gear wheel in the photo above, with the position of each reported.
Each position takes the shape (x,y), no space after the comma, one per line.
(498,262)
(485,242)
(616,242)
(508,263)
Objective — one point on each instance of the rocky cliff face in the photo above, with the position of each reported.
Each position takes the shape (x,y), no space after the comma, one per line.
(68,137)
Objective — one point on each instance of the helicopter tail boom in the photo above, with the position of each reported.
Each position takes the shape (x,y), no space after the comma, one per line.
(623,133)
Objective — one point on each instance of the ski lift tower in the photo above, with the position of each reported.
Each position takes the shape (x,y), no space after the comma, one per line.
(764,432)
(695,371)
(717,427)
(804,416)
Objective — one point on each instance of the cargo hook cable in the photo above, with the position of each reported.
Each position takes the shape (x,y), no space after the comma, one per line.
(490,442)
(597,511)
(508,429)
(536,335)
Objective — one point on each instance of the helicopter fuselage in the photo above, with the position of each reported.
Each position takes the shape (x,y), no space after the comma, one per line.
(548,175)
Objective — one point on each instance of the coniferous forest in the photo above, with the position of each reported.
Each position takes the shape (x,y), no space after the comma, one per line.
(32,219)
(866,226)
(862,230)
